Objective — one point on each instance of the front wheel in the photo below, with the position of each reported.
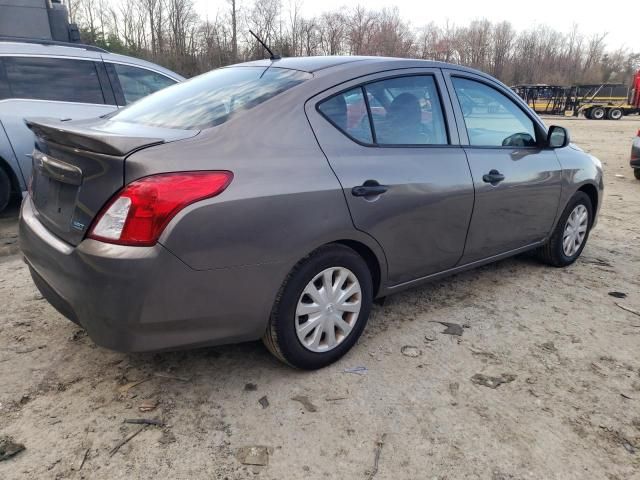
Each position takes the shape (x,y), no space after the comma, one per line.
(636,173)
(321,309)
(571,233)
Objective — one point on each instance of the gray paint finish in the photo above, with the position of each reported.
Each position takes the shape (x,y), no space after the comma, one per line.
(291,193)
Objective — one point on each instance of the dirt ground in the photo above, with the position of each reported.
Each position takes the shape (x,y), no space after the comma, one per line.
(572,410)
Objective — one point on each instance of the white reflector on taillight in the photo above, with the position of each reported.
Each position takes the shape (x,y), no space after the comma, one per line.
(112,221)
(141,210)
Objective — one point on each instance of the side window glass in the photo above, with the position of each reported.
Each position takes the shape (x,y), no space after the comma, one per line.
(57,79)
(347,111)
(139,82)
(491,118)
(407,111)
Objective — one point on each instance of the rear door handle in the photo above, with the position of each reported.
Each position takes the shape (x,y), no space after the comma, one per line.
(370,188)
(494,177)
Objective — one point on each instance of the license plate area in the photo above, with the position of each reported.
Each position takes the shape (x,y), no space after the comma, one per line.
(54,189)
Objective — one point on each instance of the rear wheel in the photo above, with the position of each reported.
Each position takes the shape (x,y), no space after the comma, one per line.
(598,113)
(614,114)
(321,309)
(5,189)
(636,173)
(587,114)
(571,233)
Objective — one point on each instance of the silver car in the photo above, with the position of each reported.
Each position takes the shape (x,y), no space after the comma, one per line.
(63,81)
(278,199)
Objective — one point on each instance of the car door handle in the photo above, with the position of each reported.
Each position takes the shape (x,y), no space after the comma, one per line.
(493,177)
(369,189)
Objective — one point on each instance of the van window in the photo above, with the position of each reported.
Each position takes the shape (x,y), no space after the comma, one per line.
(140,82)
(59,79)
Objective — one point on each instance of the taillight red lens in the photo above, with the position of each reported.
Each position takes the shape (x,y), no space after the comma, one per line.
(140,212)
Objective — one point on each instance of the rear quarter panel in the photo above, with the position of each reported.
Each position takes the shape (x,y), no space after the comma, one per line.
(283,202)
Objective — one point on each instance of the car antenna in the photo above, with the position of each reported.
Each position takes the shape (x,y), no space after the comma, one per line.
(274,56)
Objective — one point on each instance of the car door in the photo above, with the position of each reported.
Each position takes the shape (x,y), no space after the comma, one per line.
(517,179)
(391,140)
(55,87)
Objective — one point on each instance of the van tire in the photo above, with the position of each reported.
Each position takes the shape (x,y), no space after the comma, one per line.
(5,189)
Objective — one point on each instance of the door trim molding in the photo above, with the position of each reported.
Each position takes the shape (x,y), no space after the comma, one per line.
(461,268)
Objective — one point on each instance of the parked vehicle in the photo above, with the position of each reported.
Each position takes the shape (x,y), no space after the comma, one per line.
(67,81)
(635,156)
(596,101)
(243,203)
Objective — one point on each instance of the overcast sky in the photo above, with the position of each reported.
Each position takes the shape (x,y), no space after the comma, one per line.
(622,23)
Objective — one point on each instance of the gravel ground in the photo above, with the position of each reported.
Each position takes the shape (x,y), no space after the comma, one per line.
(569,356)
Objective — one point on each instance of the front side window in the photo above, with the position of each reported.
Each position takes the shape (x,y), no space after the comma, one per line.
(407,111)
(57,79)
(140,82)
(348,112)
(212,98)
(491,118)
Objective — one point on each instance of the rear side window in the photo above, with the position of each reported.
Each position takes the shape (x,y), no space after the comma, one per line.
(212,98)
(399,111)
(57,79)
(140,82)
(347,111)
(407,111)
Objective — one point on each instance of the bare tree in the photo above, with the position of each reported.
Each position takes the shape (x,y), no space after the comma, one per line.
(170,32)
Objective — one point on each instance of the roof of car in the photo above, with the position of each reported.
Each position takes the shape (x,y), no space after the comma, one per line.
(31,48)
(314,64)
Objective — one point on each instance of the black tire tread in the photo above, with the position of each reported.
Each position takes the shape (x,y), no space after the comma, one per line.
(5,189)
(270,337)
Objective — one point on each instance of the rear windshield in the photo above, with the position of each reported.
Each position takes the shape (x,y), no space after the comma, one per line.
(212,98)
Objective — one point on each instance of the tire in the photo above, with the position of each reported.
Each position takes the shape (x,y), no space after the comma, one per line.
(614,114)
(553,252)
(636,173)
(5,189)
(598,113)
(282,337)
(587,113)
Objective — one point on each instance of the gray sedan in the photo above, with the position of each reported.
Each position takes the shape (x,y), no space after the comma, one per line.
(278,199)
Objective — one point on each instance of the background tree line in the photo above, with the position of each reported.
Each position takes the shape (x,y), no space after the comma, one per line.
(171,33)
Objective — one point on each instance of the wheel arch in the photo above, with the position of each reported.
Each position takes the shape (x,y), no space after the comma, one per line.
(369,257)
(592,193)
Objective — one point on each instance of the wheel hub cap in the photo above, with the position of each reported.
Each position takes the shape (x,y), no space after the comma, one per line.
(575,230)
(328,309)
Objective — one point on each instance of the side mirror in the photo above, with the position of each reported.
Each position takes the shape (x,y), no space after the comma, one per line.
(557,137)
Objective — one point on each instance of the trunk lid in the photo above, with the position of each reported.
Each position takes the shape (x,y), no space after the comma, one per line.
(79,165)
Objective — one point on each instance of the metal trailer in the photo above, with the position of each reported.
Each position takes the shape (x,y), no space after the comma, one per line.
(594,101)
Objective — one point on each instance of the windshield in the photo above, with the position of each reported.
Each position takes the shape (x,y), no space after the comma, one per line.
(212,98)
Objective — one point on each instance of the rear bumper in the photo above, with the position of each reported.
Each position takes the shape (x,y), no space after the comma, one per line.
(144,298)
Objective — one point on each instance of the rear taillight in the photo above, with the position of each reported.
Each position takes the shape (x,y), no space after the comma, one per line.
(140,212)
